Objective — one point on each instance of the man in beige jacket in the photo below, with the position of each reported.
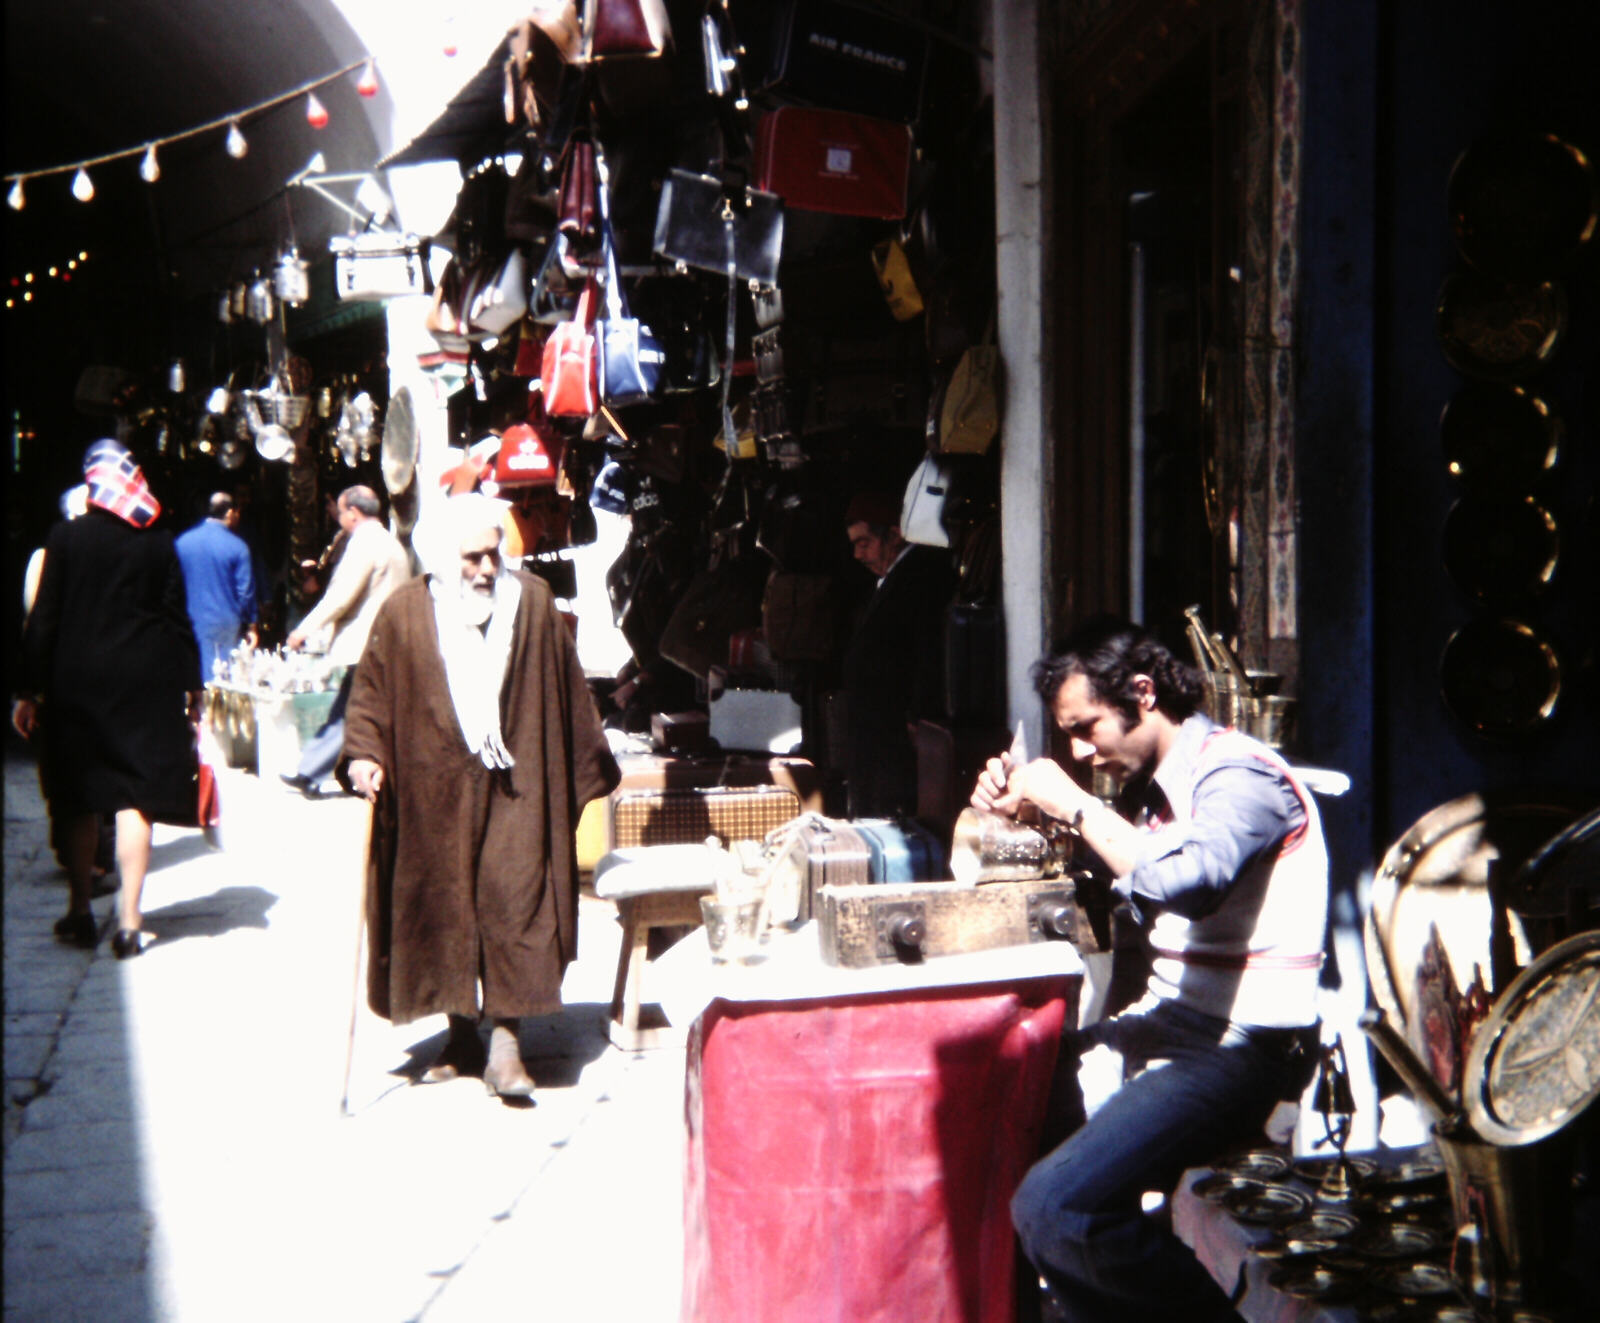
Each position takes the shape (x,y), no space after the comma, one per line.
(372,566)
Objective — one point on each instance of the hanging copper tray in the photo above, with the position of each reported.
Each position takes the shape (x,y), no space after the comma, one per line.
(1499,440)
(1499,331)
(1501,549)
(1437,873)
(1521,206)
(1501,677)
(1534,1065)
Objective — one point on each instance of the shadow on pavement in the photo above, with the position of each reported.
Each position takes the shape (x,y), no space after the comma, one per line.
(213,915)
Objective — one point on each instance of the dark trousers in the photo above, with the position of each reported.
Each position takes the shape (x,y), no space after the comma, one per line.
(1078,1210)
(321,753)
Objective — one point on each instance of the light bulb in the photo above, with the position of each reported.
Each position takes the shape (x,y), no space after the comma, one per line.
(316,112)
(150,168)
(367,85)
(236,144)
(82,186)
(15,198)
(83,257)
(54,272)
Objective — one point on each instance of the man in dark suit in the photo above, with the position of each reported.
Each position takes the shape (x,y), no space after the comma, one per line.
(894,666)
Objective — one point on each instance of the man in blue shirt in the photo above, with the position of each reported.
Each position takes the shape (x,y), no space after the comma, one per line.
(219,581)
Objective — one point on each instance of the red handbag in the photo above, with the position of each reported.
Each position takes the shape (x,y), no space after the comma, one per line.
(621,28)
(570,382)
(834,161)
(578,205)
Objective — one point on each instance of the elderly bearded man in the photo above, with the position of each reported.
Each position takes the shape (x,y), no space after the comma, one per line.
(472,731)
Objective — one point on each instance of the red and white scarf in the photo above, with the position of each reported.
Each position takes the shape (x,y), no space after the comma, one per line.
(117,484)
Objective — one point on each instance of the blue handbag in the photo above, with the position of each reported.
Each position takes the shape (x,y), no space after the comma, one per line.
(631,358)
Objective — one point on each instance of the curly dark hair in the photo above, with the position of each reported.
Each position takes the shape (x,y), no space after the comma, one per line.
(1109,651)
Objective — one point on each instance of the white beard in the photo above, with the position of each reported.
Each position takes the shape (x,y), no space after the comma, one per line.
(476,607)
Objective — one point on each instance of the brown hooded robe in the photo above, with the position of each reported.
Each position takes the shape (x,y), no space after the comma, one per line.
(473,872)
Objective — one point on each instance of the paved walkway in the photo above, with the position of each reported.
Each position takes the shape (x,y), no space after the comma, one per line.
(174,1148)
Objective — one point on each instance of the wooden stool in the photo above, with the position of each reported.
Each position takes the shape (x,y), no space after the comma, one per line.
(654,886)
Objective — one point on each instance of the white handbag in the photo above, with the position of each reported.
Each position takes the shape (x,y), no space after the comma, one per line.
(922,513)
(500,302)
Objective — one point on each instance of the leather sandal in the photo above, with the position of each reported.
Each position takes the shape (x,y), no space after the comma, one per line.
(127,943)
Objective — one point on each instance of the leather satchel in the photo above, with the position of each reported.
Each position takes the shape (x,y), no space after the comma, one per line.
(624,29)
(717,604)
(569,369)
(798,616)
(697,219)
(969,417)
(578,211)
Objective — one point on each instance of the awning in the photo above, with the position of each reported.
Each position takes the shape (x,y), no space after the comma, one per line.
(472,125)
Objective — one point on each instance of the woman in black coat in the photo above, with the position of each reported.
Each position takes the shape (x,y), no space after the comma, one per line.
(109,652)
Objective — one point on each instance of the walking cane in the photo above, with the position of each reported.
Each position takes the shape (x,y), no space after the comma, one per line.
(355,976)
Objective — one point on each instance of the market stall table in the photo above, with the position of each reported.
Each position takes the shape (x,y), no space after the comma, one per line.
(855,1135)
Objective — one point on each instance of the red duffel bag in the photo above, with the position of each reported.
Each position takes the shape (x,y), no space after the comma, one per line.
(569,363)
(834,161)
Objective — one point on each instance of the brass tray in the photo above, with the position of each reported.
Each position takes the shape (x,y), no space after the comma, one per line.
(1499,331)
(1437,872)
(1534,1065)
(1501,549)
(1312,1281)
(1501,677)
(1499,439)
(1415,1279)
(1396,1240)
(1258,1164)
(1521,206)
(1315,1170)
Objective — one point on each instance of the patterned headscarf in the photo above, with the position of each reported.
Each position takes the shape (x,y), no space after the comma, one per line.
(117,484)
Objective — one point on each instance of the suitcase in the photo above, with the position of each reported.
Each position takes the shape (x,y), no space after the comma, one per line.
(675,801)
(821,852)
(829,53)
(834,161)
(902,851)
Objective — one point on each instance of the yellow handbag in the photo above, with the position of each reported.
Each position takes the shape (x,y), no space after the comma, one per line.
(894,277)
(970,416)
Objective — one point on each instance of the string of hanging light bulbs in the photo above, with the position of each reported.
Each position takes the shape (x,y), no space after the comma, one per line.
(235,143)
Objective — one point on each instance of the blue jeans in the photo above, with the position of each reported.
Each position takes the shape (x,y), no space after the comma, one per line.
(1210,1087)
(320,754)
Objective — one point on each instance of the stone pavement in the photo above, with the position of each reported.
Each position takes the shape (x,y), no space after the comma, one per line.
(174,1144)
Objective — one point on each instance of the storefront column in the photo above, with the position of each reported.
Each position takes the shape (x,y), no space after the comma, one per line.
(1022,210)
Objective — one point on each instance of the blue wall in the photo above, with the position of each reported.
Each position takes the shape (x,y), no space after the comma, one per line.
(1393,94)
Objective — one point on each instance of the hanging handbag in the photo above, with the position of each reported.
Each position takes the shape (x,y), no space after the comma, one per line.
(895,279)
(696,216)
(501,300)
(569,363)
(623,29)
(834,162)
(798,616)
(380,265)
(553,299)
(717,603)
(578,210)
(630,356)
(922,511)
(969,416)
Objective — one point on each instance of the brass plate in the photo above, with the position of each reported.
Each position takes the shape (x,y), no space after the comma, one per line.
(1215,1187)
(1568,861)
(1323,1224)
(1269,1204)
(1499,331)
(1416,1171)
(1258,1164)
(1500,439)
(1438,873)
(1315,1170)
(1521,206)
(1534,1065)
(1396,1240)
(1501,549)
(1501,677)
(1421,1278)
(1314,1282)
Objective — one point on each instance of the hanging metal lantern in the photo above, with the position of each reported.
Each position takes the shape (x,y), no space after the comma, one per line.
(238,301)
(177,378)
(291,281)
